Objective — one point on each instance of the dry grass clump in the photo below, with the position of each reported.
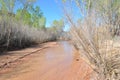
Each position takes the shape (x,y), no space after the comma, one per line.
(15,35)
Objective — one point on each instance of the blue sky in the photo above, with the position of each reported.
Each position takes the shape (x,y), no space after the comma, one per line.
(50,9)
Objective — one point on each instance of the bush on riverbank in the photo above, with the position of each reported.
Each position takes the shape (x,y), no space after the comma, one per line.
(16,35)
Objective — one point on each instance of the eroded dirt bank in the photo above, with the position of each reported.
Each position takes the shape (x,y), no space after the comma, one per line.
(59,61)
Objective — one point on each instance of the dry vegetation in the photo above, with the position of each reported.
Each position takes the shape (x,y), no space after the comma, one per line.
(15,35)
(99,50)
(94,37)
(22,26)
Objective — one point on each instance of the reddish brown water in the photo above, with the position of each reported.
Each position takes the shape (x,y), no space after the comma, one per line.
(59,62)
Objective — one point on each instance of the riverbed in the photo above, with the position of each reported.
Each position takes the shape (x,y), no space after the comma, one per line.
(59,61)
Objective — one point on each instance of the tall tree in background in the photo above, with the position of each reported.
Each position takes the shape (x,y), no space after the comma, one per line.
(32,16)
(23,17)
(57,28)
(38,19)
(57,25)
(7,7)
(28,14)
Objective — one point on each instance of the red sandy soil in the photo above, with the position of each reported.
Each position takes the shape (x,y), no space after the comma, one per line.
(59,61)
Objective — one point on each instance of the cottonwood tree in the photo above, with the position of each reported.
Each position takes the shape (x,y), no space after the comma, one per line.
(57,27)
(31,15)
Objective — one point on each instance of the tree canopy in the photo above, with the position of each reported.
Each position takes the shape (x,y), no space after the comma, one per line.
(28,14)
(57,25)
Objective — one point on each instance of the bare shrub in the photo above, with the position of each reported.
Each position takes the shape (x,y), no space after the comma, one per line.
(13,34)
(95,41)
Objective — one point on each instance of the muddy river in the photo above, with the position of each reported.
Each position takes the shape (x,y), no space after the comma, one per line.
(58,62)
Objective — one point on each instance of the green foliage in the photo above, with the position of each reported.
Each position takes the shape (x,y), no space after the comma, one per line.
(32,16)
(27,14)
(42,22)
(7,6)
(38,19)
(63,1)
(25,17)
(57,25)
